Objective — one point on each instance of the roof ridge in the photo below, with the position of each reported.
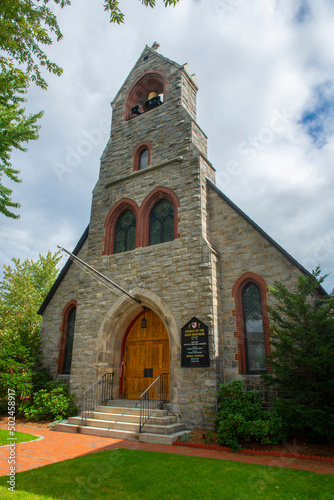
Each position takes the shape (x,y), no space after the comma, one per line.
(261,231)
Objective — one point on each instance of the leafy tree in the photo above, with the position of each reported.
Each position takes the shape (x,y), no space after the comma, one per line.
(15,128)
(16,369)
(116,16)
(302,357)
(26,27)
(22,291)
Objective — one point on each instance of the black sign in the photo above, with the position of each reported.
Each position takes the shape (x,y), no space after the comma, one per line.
(195,344)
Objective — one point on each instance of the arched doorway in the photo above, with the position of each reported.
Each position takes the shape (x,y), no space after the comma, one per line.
(145,354)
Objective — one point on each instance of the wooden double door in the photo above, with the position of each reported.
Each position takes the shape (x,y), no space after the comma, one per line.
(146,355)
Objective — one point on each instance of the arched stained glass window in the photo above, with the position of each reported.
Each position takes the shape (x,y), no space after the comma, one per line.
(161,226)
(143,159)
(68,344)
(125,232)
(254,331)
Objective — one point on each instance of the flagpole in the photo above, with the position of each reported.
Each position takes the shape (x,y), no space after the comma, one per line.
(84,264)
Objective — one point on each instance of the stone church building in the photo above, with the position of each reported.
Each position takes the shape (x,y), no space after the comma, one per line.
(160,228)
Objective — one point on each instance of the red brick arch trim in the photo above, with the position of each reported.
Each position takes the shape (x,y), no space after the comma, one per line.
(151,80)
(72,304)
(147,205)
(110,223)
(138,151)
(238,286)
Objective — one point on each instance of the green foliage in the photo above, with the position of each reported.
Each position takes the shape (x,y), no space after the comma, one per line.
(22,292)
(16,368)
(302,359)
(40,378)
(26,27)
(185,438)
(15,127)
(52,403)
(116,16)
(241,418)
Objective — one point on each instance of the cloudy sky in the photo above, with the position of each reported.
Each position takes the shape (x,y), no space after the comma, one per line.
(266,99)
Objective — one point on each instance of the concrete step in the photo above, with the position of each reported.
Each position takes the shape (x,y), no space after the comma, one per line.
(157,419)
(118,410)
(94,422)
(124,403)
(97,431)
(116,417)
(127,411)
(163,429)
(119,419)
(127,403)
(169,428)
(146,437)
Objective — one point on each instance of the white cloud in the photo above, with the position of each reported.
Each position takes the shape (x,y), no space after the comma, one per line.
(252,60)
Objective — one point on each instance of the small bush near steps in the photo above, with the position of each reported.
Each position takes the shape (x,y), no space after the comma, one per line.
(241,418)
(52,403)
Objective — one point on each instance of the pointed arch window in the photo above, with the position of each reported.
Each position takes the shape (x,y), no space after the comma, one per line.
(65,345)
(143,159)
(161,222)
(69,341)
(253,329)
(125,232)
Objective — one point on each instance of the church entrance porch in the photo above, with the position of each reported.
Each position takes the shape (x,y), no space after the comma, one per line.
(145,354)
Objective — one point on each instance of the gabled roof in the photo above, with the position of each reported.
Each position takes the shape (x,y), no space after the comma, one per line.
(63,272)
(146,50)
(261,231)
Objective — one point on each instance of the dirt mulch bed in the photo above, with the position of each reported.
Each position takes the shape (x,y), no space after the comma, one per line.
(294,445)
(20,420)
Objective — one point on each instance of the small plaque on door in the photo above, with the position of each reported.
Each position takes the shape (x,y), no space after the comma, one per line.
(148,372)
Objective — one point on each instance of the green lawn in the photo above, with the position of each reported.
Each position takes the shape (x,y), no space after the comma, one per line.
(21,437)
(134,474)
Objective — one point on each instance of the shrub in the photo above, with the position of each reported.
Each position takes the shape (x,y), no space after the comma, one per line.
(53,403)
(241,418)
(302,358)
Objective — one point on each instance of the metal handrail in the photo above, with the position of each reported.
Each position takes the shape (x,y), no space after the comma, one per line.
(152,398)
(95,395)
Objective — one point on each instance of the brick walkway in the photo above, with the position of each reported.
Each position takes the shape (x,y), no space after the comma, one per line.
(59,446)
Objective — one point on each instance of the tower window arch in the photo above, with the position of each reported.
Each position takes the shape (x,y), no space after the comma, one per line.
(255,347)
(143,159)
(146,93)
(142,155)
(125,232)
(161,222)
